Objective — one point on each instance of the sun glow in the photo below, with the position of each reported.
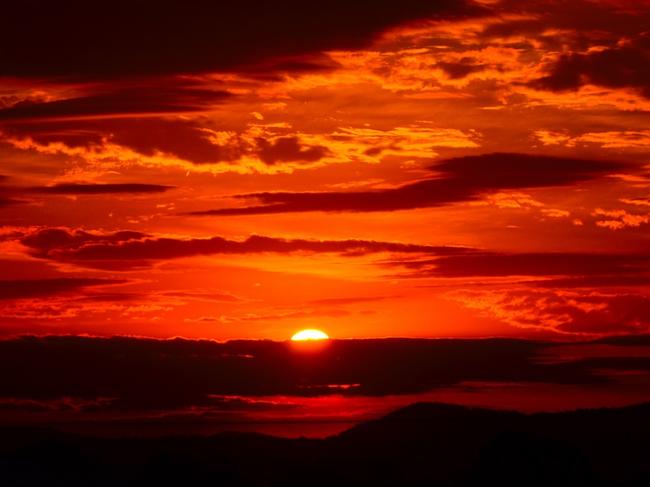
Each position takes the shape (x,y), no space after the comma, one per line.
(309,334)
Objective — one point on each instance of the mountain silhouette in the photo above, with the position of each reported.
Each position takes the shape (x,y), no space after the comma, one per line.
(423,444)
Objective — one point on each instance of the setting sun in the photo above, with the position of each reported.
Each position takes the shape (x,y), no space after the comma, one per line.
(309,334)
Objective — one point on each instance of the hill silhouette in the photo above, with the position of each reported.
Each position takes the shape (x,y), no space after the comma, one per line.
(423,444)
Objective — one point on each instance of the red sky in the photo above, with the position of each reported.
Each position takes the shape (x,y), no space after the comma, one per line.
(413,168)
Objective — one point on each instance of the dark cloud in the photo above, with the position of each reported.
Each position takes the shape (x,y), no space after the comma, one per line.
(37,288)
(623,66)
(129,114)
(182,138)
(10,195)
(457,179)
(289,149)
(73,133)
(155,99)
(275,69)
(148,136)
(587,267)
(43,241)
(143,374)
(626,340)
(460,69)
(75,39)
(513,28)
(113,188)
(622,280)
(131,248)
(578,24)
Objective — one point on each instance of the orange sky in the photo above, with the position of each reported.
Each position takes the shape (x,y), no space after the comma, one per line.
(463,169)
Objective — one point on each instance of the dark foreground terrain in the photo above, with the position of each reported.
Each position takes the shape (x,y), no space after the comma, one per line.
(424,444)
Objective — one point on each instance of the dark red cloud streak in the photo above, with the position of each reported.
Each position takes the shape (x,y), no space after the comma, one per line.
(588,267)
(69,40)
(43,241)
(158,98)
(623,66)
(289,149)
(457,179)
(461,69)
(37,288)
(127,247)
(11,195)
(110,188)
(625,279)
(185,139)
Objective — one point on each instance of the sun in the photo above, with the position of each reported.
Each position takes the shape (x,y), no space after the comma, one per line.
(309,334)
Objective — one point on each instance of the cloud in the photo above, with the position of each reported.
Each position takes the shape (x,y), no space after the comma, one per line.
(37,288)
(460,69)
(158,98)
(289,149)
(561,311)
(133,248)
(43,241)
(152,375)
(69,41)
(621,280)
(615,139)
(636,201)
(11,195)
(560,292)
(580,23)
(94,188)
(457,179)
(189,140)
(619,219)
(626,65)
(494,264)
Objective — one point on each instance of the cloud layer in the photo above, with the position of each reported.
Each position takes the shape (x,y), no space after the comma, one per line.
(150,375)
(458,179)
(157,38)
(134,248)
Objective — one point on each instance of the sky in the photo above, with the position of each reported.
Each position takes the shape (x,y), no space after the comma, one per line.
(449,168)
(455,191)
